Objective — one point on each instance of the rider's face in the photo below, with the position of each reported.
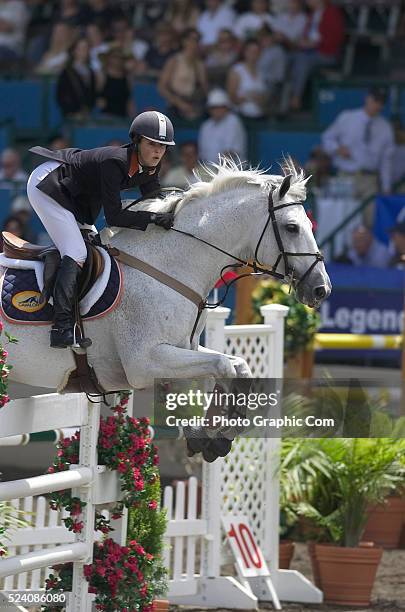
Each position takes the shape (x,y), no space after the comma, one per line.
(150,153)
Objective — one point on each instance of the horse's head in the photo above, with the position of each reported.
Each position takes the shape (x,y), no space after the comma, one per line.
(288,240)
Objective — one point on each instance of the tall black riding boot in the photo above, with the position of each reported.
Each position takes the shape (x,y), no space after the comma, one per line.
(64,295)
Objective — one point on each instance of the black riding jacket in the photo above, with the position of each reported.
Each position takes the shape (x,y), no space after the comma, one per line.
(91,179)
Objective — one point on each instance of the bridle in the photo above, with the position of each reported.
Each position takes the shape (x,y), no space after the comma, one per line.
(258,268)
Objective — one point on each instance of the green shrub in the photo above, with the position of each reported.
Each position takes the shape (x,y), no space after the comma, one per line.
(147,526)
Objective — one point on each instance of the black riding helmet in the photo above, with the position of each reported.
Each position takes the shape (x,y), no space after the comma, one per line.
(154,126)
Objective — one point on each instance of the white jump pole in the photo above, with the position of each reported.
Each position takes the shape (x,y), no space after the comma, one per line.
(39,485)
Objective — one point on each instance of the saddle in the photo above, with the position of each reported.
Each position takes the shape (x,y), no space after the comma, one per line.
(17,248)
(84,378)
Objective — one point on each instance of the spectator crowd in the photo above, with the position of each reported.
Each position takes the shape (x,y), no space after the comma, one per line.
(261,52)
(223,64)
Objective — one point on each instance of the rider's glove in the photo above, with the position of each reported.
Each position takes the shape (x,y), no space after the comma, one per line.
(165,220)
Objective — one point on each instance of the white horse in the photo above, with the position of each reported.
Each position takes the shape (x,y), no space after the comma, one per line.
(148,335)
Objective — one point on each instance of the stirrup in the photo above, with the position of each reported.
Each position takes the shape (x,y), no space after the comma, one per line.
(78,340)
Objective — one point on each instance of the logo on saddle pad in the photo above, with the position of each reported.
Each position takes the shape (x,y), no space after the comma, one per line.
(27,301)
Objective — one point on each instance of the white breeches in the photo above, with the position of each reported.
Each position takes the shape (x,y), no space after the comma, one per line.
(60,223)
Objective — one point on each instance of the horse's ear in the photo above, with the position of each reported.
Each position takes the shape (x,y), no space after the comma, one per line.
(285,186)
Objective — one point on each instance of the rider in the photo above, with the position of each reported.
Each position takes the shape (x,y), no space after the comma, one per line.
(70,189)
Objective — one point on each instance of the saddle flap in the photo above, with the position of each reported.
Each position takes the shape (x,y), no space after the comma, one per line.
(17,248)
(92,269)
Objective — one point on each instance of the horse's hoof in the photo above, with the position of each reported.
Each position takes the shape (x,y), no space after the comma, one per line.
(196,439)
(190,451)
(221,446)
(209,455)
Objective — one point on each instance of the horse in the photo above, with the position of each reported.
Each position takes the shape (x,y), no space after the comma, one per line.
(245,213)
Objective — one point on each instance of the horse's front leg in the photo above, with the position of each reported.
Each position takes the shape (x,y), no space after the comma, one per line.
(241,366)
(173,362)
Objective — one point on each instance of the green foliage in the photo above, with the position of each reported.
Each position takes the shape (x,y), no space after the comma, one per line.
(351,474)
(302,322)
(10,519)
(148,528)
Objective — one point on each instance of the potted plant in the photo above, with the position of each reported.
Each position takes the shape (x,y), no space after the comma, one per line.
(361,472)
(299,462)
(301,325)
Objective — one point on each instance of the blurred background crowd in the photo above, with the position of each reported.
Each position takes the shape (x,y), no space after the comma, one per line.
(255,79)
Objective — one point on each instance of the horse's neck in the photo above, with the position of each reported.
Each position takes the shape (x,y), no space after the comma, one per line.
(218,220)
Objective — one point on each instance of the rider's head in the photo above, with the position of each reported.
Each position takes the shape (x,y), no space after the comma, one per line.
(151,132)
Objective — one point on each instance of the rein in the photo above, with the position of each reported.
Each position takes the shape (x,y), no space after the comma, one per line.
(255,265)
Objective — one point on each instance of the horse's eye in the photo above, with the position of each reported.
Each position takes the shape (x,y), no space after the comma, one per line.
(292,228)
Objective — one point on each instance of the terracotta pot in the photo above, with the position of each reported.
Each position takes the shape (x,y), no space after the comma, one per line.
(314,561)
(385,523)
(160,605)
(347,574)
(314,564)
(286,553)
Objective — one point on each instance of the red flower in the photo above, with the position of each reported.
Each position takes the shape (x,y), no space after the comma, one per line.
(139,484)
(87,571)
(152,505)
(119,409)
(77,526)
(138,548)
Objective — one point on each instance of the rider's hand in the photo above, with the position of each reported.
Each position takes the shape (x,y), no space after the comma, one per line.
(165,220)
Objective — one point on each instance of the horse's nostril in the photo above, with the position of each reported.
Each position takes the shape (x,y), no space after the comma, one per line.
(320,292)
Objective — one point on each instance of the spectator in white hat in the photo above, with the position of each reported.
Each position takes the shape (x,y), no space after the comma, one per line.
(224,132)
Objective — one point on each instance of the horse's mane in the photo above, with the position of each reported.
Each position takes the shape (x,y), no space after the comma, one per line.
(229,174)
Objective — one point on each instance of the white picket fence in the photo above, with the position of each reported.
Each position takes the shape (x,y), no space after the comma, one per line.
(50,543)
(244,482)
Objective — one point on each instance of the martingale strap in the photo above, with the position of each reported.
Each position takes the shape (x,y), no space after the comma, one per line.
(163,278)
